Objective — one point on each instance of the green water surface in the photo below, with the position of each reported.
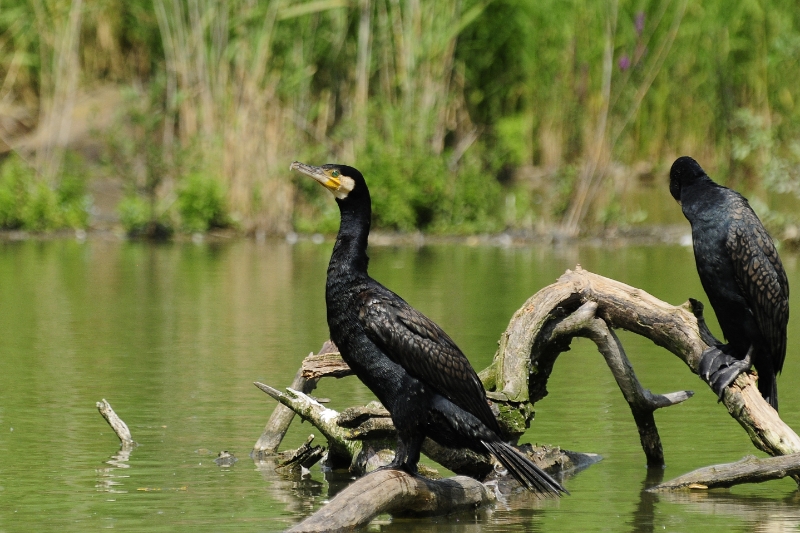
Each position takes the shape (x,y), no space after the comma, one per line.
(174,335)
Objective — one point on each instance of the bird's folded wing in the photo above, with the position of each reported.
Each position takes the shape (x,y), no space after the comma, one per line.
(762,279)
(416,343)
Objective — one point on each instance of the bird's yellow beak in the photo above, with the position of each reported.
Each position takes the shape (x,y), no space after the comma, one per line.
(330,178)
(318,173)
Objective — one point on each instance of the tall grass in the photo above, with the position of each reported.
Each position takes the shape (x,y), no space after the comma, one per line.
(439,103)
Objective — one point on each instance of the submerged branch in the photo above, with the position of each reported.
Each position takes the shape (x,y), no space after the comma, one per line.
(642,402)
(323,418)
(282,416)
(116,423)
(748,470)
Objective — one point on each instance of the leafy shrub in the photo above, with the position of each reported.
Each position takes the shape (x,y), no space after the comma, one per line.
(407,187)
(42,212)
(15,182)
(134,214)
(137,217)
(201,203)
(28,203)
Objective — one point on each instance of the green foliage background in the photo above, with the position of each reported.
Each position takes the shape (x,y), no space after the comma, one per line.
(447,108)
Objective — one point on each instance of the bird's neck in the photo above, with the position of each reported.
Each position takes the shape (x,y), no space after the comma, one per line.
(698,197)
(349,257)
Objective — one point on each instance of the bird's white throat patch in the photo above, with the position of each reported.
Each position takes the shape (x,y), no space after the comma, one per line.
(346,184)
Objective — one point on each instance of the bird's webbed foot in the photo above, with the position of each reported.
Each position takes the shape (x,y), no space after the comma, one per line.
(402,461)
(399,465)
(720,369)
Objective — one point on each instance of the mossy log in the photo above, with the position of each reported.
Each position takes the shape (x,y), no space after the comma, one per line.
(363,439)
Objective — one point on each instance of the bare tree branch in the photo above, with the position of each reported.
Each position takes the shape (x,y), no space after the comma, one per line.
(748,470)
(116,423)
(282,416)
(528,348)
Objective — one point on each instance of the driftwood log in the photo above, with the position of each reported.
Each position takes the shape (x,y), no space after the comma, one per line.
(748,470)
(582,304)
(393,491)
(282,416)
(679,329)
(117,424)
(369,441)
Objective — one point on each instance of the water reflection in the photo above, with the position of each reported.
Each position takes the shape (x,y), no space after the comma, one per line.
(108,477)
(299,494)
(643,518)
(759,514)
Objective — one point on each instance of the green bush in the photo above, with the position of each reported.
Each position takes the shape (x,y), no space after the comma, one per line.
(140,221)
(28,203)
(201,203)
(407,187)
(134,214)
(42,212)
(15,182)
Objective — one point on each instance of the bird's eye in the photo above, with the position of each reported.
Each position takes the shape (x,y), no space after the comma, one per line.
(335,173)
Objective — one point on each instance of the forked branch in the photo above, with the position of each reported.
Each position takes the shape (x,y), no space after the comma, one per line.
(528,348)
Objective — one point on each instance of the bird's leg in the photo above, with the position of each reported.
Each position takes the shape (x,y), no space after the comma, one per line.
(406,456)
(399,457)
(720,369)
(412,453)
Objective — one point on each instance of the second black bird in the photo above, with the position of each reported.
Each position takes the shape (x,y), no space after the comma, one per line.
(742,275)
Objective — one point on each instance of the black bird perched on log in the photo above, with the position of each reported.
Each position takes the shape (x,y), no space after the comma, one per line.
(742,275)
(406,360)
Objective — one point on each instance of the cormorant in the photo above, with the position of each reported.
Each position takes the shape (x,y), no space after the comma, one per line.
(742,275)
(412,366)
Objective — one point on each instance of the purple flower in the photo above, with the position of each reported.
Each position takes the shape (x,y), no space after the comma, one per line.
(624,62)
(639,22)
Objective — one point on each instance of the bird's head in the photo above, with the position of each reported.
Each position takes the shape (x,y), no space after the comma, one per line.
(345,183)
(684,171)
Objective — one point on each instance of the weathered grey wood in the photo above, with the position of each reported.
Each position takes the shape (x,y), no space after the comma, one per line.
(396,492)
(117,424)
(346,444)
(329,364)
(281,418)
(340,447)
(526,353)
(354,416)
(748,470)
(640,400)
(279,421)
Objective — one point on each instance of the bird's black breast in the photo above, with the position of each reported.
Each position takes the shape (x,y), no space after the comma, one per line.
(385,378)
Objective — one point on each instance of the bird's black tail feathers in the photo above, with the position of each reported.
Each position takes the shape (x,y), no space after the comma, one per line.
(768,387)
(528,474)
